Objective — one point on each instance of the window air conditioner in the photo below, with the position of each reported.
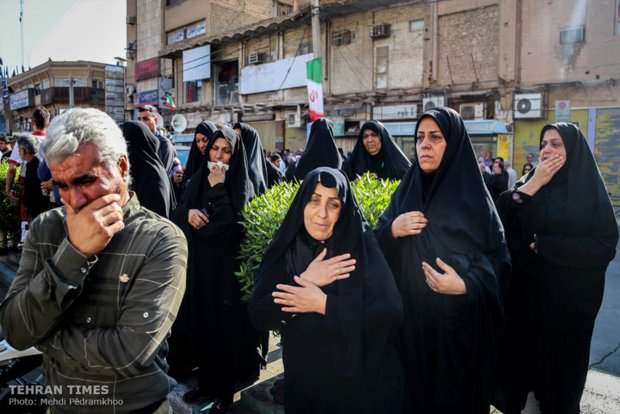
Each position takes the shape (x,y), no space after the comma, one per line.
(471,111)
(432,102)
(256,58)
(528,106)
(293,120)
(380,30)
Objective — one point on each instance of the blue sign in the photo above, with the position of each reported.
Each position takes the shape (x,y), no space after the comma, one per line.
(149,97)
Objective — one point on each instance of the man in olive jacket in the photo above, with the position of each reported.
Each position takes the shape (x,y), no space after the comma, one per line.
(100,280)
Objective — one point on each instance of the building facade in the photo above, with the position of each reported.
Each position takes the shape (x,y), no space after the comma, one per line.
(508,67)
(59,85)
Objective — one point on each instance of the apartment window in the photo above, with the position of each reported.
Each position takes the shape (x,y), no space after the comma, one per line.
(173,2)
(417,25)
(573,35)
(381,67)
(193,90)
(227,83)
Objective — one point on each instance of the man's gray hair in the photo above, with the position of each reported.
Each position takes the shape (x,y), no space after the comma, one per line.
(78,126)
(28,143)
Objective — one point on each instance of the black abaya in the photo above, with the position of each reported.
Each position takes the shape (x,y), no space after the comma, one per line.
(345,361)
(389,163)
(211,329)
(555,294)
(448,342)
(149,178)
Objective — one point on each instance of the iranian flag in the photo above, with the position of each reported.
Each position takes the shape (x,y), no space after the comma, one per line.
(315,88)
(170,103)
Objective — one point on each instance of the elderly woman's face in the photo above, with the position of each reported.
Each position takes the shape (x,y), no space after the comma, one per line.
(430,145)
(372,141)
(322,212)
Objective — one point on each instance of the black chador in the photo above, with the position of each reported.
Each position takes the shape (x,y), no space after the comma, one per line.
(389,163)
(321,150)
(195,158)
(148,176)
(345,361)
(257,164)
(448,342)
(555,293)
(212,328)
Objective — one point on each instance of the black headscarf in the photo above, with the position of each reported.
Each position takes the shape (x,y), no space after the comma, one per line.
(321,150)
(195,158)
(257,165)
(149,178)
(465,232)
(237,181)
(355,349)
(390,163)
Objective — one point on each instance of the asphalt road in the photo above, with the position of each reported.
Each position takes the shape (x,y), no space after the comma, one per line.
(605,349)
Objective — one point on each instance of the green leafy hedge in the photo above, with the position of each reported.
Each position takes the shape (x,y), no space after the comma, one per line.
(263,215)
(9,212)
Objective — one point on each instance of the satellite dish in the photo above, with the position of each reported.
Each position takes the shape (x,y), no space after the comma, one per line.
(179,123)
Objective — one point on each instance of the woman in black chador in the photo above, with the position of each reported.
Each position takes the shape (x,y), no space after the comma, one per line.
(562,234)
(445,245)
(148,176)
(212,319)
(202,135)
(257,164)
(325,285)
(321,151)
(376,151)
(197,153)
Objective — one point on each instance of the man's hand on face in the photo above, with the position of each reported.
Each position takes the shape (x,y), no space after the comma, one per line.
(91,229)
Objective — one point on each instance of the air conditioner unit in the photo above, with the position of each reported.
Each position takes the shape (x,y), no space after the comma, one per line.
(380,30)
(293,120)
(256,58)
(432,102)
(471,111)
(341,38)
(528,106)
(131,20)
(132,46)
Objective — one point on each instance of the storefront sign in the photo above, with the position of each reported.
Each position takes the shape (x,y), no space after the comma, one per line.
(22,99)
(196,30)
(395,111)
(147,69)
(149,97)
(562,111)
(503,146)
(338,123)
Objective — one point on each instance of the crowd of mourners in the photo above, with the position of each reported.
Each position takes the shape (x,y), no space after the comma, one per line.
(478,286)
